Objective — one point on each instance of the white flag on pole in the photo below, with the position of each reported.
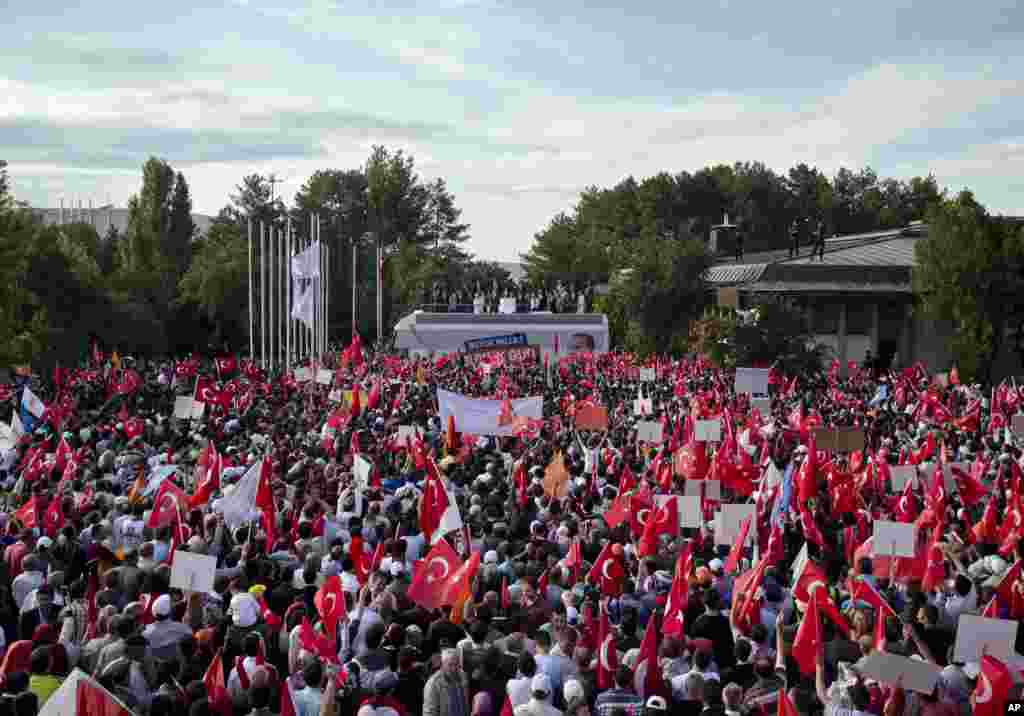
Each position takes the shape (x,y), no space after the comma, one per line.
(32,403)
(239,506)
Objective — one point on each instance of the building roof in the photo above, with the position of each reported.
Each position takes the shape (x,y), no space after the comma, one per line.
(735,273)
(889,251)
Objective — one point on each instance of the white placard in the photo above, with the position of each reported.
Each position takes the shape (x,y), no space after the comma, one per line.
(901,475)
(752,380)
(995,636)
(643,406)
(183,407)
(762,405)
(693,487)
(708,431)
(690,513)
(361,470)
(193,572)
(799,564)
(1017,425)
(335,396)
(324,377)
(408,432)
(919,676)
(648,375)
(649,431)
(302,374)
(507,305)
(730,522)
(198,409)
(713,490)
(894,539)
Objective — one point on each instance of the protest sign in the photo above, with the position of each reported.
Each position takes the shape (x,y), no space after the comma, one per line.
(193,572)
(648,375)
(324,377)
(901,475)
(728,527)
(706,431)
(752,380)
(302,374)
(919,676)
(183,407)
(974,634)
(649,431)
(894,539)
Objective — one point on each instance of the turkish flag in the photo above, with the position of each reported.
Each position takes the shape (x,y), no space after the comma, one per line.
(216,690)
(27,515)
(373,399)
(459,585)
(330,605)
(807,477)
(167,504)
(607,572)
(971,490)
(54,520)
(607,653)
(94,700)
(691,461)
(208,471)
(429,579)
(808,639)
(574,559)
(993,688)
(786,707)
(664,521)
(678,596)
(316,643)
(134,427)
(733,560)
(647,678)
(265,503)
(935,568)
(226,365)
(434,501)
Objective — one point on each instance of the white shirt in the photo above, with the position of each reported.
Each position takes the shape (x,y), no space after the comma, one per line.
(244,609)
(519,691)
(24,583)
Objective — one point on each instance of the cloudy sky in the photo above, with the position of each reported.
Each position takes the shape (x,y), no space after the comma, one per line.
(517,105)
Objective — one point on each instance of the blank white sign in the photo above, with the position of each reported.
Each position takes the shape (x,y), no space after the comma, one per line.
(901,475)
(752,380)
(647,375)
(762,405)
(193,572)
(708,430)
(995,636)
(324,377)
(183,407)
(732,516)
(649,431)
(302,374)
(894,539)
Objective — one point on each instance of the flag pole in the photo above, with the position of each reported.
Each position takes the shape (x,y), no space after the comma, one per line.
(263,297)
(270,293)
(380,292)
(355,258)
(287,294)
(252,324)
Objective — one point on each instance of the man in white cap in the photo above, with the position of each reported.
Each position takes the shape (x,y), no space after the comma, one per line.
(540,699)
(164,634)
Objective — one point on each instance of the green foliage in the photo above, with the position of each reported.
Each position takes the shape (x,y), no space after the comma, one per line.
(770,333)
(970,270)
(662,292)
(217,283)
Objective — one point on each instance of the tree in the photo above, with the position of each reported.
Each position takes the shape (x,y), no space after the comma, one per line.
(181,230)
(255,199)
(970,270)
(217,281)
(662,291)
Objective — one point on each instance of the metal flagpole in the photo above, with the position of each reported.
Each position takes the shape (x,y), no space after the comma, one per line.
(327,297)
(287,294)
(380,293)
(252,324)
(309,331)
(270,293)
(355,258)
(285,312)
(263,296)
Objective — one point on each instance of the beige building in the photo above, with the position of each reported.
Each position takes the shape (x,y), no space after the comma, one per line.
(857,296)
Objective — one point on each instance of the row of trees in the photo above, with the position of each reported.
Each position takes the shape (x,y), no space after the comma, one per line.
(161,287)
(648,238)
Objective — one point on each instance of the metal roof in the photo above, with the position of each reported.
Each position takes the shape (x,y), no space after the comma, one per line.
(734,273)
(888,251)
(839,286)
(423,318)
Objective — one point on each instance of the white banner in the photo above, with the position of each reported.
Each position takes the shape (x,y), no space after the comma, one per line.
(480,417)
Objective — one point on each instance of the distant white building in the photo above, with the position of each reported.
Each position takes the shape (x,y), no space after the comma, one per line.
(102,218)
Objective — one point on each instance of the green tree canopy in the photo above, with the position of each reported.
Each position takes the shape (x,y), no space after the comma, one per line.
(970,270)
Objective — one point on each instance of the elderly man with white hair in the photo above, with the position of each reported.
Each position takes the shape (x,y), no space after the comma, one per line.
(446,693)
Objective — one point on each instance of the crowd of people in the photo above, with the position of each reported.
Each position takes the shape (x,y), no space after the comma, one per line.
(541,573)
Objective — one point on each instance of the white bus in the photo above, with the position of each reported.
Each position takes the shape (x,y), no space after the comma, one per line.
(433,334)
